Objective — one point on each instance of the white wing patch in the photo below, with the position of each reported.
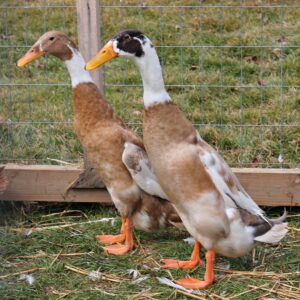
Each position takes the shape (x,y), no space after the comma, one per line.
(138,164)
(220,174)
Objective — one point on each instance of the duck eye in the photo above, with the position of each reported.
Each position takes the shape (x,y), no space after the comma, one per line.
(51,38)
(127,37)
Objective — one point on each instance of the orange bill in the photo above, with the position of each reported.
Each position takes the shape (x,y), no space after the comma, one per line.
(106,53)
(32,54)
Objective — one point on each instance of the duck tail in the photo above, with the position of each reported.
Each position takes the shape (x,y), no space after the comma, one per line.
(277,231)
(274,235)
(280,219)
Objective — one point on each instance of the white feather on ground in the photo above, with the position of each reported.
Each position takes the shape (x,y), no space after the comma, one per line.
(28,278)
(136,276)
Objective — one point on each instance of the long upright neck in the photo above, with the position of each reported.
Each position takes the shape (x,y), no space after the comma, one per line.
(75,66)
(90,107)
(151,72)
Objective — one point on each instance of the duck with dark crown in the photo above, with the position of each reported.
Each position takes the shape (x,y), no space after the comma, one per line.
(214,207)
(115,151)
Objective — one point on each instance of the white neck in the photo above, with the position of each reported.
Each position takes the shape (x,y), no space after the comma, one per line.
(153,82)
(76,69)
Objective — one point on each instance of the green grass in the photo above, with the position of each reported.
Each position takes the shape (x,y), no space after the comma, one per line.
(55,280)
(36,121)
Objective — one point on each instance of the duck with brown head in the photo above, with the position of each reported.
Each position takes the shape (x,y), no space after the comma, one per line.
(104,137)
(59,45)
(208,197)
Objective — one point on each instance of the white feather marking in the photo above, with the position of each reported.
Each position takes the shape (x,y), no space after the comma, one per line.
(76,69)
(200,215)
(162,220)
(230,212)
(147,180)
(240,238)
(145,177)
(232,197)
(142,221)
(116,197)
(214,163)
(151,72)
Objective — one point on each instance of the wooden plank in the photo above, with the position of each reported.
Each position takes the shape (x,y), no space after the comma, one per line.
(270,187)
(88,179)
(48,183)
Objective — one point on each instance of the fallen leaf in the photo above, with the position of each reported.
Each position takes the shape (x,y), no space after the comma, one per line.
(248,59)
(193,67)
(257,60)
(277,52)
(137,113)
(261,82)
(253,59)
(178,27)
(38,64)
(254,163)
(283,40)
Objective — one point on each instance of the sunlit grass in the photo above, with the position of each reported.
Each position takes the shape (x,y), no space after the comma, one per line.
(216,87)
(54,280)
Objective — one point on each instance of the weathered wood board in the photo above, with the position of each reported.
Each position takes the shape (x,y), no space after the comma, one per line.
(271,187)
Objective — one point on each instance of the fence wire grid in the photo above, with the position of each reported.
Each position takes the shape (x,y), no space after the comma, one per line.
(232,67)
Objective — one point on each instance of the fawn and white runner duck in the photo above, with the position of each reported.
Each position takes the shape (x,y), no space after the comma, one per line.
(208,197)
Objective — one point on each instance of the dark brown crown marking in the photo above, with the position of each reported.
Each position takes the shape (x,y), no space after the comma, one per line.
(127,43)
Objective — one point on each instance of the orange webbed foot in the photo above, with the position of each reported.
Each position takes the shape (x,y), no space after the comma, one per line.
(209,277)
(194,284)
(180,264)
(120,249)
(117,249)
(109,239)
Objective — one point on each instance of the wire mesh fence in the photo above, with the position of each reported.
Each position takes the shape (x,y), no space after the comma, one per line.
(232,66)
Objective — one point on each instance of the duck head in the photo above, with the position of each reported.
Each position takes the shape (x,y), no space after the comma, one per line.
(133,44)
(129,43)
(52,42)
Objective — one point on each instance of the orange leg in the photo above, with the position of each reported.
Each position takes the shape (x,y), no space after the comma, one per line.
(120,249)
(209,277)
(109,239)
(182,264)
